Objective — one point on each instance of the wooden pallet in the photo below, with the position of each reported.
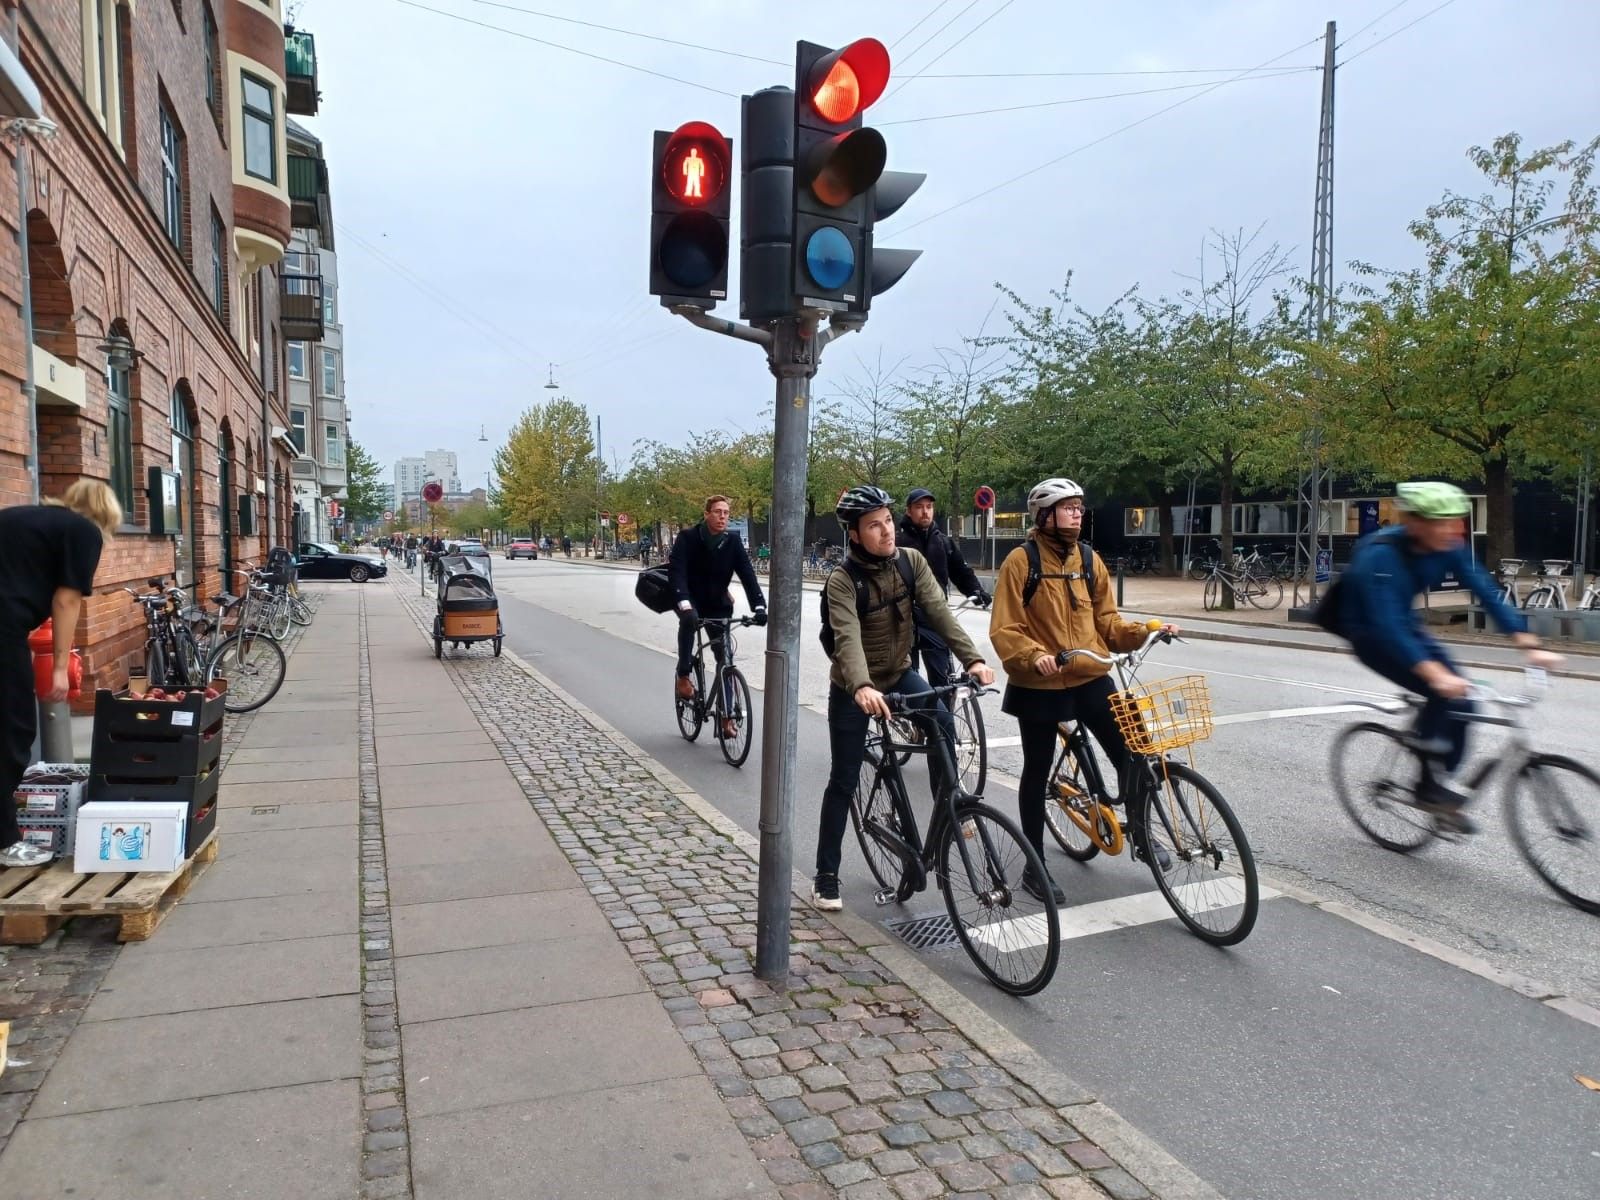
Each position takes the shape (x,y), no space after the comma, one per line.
(36,901)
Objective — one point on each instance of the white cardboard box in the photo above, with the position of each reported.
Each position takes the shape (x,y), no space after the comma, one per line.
(117,836)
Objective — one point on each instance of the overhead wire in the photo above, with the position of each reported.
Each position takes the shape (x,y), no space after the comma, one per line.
(1096,74)
(1177,87)
(633,33)
(910,54)
(1007,4)
(1397,32)
(924,20)
(528,37)
(1106,137)
(1350,37)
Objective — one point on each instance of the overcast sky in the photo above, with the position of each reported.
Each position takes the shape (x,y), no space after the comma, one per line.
(492,202)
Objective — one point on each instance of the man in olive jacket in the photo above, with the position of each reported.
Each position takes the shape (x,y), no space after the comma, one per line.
(871,656)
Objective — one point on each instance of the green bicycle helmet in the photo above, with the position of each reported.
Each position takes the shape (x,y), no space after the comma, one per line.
(1432,501)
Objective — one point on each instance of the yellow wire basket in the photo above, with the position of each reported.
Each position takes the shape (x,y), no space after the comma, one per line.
(1164,716)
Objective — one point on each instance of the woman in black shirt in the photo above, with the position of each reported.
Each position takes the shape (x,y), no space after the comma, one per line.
(48,556)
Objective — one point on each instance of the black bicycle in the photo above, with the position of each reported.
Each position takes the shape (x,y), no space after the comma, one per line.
(977,855)
(249,659)
(1186,831)
(726,703)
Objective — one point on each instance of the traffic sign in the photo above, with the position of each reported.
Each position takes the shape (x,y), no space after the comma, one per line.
(388,514)
(433,491)
(984,497)
(624,519)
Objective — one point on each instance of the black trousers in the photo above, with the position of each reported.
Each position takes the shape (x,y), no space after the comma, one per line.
(19,721)
(1089,703)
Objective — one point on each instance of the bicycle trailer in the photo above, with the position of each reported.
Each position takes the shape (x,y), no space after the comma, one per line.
(469,611)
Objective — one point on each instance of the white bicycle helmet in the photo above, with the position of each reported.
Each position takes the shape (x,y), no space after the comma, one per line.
(1049,493)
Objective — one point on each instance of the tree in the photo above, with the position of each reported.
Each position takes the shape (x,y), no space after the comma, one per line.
(1483,362)
(948,416)
(363,484)
(547,471)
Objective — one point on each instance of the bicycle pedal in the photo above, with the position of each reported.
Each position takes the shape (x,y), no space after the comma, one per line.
(883,896)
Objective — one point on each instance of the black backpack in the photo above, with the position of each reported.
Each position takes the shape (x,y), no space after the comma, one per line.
(1036,572)
(653,589)
(1328,615)
(863,598)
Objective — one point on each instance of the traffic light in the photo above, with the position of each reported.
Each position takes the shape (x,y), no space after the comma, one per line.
(766,203)
(689,215)
(885,267)
(837,162)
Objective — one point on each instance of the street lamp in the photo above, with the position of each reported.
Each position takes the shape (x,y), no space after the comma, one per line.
(552,385)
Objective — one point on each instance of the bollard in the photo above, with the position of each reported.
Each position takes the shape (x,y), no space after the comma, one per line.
(1119,583)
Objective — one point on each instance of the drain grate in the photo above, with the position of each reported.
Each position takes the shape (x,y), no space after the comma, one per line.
(933,931)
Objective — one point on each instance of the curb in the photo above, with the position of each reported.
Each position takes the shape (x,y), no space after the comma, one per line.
(1138,1153)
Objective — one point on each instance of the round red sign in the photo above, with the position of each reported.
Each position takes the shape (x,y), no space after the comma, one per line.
(433,492)
(983,497)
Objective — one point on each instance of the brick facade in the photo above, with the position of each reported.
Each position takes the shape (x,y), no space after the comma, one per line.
(100,260)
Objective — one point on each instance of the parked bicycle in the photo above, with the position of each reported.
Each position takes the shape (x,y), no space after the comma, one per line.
(1506,575)
(1189,836)
(975,854)
(1552,802)
(1551,591)
(176,657)
(727,701)
(1256,590)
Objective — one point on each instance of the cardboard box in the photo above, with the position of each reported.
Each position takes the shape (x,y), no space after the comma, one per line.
(129,836)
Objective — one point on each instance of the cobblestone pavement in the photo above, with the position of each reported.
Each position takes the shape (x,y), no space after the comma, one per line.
(45,988)
(846,1082)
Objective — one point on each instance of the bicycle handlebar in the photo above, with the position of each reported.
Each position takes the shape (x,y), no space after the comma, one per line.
(897,701)
(1156,634)
(726,621)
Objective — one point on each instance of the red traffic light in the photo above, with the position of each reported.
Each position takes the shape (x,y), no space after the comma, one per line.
(842,84)
(694,168)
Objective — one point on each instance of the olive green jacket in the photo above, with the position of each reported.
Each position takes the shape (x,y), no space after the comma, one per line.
(876,649)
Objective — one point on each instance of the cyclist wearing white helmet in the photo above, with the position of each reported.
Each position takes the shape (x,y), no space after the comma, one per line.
(1062,603)
(1372,606)
(868,610)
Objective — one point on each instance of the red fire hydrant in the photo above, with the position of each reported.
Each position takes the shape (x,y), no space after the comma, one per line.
(42,642)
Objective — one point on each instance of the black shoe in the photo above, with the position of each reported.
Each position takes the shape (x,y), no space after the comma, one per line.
(825,894)
(1035,889)
(1136,851)
(1447,805)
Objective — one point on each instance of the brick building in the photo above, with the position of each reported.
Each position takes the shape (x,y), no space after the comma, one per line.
(145,232)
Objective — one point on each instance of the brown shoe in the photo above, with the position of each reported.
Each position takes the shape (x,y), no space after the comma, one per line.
(730,729)
(685,688)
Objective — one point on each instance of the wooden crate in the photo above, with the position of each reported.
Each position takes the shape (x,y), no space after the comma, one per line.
(36,901)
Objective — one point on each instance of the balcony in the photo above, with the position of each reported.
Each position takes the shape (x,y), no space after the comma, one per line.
(308,191)
(300,72)
(300,306)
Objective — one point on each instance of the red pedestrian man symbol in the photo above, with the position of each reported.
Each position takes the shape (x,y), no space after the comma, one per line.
(694,173)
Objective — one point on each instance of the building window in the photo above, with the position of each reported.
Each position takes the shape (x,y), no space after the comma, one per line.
(119,435)
(219,265)
(260,129)
(327,305)
(171,178)
(208,35)
(330,373)
(297,360)
(335,455)
(297,428)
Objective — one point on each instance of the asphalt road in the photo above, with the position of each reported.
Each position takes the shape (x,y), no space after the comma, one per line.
(1317,1059)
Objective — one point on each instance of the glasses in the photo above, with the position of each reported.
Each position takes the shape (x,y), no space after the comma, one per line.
(1072,508)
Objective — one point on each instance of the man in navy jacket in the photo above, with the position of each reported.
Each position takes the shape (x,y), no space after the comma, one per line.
(1389,570)
(703,563)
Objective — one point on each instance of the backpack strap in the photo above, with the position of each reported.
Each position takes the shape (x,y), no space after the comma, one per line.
(864,595)
(1036,572)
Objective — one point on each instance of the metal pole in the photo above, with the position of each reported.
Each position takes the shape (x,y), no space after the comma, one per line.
(793,362)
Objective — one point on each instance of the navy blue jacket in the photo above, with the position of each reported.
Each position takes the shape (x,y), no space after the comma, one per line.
(1385,576)
(701,571)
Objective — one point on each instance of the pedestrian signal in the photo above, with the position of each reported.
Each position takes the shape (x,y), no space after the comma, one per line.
(689,215)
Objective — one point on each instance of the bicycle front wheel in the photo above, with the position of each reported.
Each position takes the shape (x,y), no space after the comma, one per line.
(1011,936)
(1265,593)
(254,666)
(1553,808)
(299,611)
(278,618)
(1210,875)
(188,658)
(1375,776)
(972,751)
(877,824)
(734,705)
(691,715)
(1212,599)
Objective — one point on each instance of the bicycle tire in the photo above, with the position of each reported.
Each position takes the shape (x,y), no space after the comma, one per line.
(691,712)
(299,612)
(1001,949)
(1211,600)
(256,674)
(1068,772)
(1259,591)
(1382,806)
(1199,569)
(736,749)
(1542,597)
(155,665)
(1527,793)
(1195,847)
(279,620)
(188,657)
(971,748)
(872,807)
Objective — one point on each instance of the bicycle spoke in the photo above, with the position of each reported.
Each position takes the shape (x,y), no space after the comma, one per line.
(1376,777)
(1209,877)
(1013,937)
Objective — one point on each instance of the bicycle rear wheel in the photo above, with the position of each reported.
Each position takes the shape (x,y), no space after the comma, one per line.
(1012,937)
(876,821)
(971,748)
(188,662)
(1375,776)
(254,666)
(278,618)
(1211,600)
(691,714)
(299,611)
(1263,592)
(1069,785)
(1553,808)
(1210,877)
(737,748)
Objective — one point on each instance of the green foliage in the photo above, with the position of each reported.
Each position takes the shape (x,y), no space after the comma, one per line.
(363,484)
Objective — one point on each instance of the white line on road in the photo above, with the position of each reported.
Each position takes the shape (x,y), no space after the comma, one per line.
(1125,912)
(1281,714)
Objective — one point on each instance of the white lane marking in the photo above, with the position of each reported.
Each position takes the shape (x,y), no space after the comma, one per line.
(1125,912)
(1002,743)
(1281,714)
(1305,683)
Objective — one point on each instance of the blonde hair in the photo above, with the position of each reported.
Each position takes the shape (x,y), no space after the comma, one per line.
(93,499)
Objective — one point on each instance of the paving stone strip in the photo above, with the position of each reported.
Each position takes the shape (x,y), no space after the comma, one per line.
(846,1082)
(44,989)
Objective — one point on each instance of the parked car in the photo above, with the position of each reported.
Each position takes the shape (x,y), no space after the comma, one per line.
(522,548)
(322,560)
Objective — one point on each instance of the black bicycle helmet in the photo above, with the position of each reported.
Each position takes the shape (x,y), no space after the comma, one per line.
(858,501)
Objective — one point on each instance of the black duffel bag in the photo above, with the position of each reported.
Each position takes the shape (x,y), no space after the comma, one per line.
(654,590)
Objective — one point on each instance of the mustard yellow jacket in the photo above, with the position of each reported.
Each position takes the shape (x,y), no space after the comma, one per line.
(1052,622)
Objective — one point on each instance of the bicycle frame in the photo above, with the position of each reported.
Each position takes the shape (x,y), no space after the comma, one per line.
(704,696)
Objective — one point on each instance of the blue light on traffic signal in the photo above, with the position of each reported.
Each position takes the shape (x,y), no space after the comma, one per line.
(830,258)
